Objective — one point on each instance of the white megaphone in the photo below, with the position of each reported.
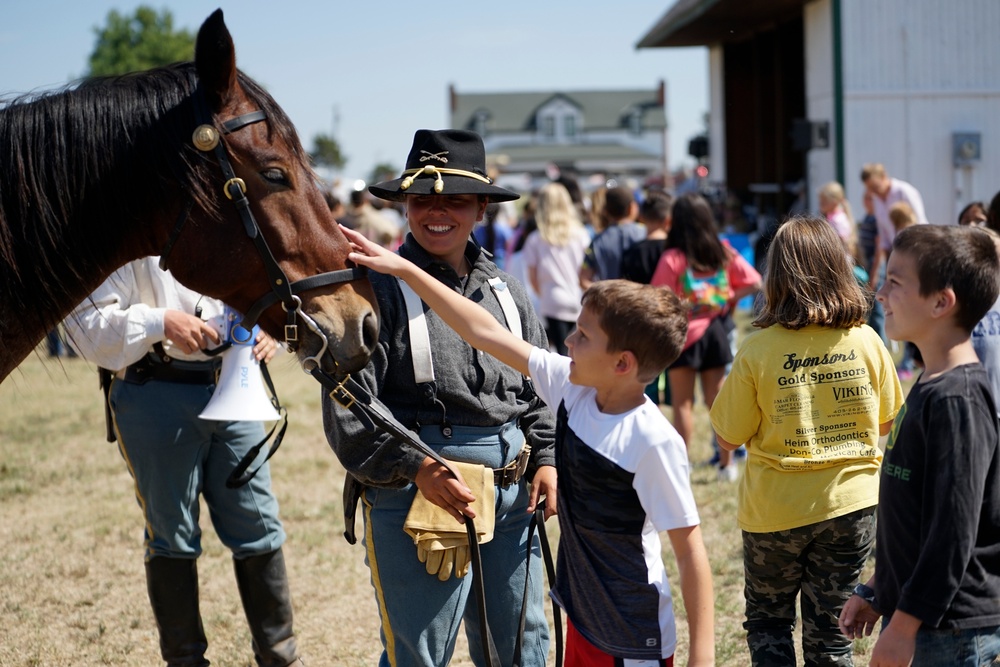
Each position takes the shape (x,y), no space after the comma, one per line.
(239,394)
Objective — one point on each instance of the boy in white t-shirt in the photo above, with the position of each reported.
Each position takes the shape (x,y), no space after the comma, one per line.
(623,470)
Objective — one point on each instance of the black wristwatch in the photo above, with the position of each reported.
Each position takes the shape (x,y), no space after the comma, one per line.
(866,593)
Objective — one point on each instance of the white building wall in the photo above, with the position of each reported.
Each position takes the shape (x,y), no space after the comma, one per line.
(717,114)
(914,73)
(821,165)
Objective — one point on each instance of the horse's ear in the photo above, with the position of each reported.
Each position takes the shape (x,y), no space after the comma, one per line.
(215,60)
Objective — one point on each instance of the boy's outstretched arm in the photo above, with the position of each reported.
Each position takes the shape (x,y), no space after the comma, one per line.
(473,323)
(696,590)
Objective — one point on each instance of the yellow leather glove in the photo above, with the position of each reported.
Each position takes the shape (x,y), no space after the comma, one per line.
(442,543)
(443,560)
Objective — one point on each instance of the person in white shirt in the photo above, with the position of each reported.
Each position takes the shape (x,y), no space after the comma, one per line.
(885,192)
(151,332)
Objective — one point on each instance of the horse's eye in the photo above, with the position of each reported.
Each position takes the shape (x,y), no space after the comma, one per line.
(275,176)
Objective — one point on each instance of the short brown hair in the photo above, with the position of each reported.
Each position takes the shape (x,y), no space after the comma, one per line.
(655,207)
(648,321)
(618,203)
(808,279)
(961,258)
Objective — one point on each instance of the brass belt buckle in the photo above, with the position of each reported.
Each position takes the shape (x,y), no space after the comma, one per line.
(512,472)
(341,395)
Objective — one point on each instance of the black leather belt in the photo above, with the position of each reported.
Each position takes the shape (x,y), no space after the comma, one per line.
(512,473)
(151,367)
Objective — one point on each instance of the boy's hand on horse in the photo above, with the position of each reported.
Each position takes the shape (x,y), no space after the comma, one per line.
(372,255)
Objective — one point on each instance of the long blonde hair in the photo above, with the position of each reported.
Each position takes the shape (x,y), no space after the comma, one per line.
(834,192)
(556,215)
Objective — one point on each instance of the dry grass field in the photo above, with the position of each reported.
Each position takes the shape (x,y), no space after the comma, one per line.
(72,587)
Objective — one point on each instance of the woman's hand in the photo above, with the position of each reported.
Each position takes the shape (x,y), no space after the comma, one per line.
(442,488)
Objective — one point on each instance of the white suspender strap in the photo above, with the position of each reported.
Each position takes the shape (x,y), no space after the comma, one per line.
(507,305)
(420,340)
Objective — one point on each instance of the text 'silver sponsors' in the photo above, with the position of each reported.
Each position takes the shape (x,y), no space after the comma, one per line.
(831,436)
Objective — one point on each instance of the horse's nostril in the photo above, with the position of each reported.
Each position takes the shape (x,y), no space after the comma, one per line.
(369,330)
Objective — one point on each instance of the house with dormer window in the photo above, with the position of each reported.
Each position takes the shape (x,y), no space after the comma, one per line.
(595,135)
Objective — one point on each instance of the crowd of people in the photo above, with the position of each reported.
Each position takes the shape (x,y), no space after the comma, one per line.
(539,346)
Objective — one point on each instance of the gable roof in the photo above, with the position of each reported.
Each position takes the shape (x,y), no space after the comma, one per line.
(515,111)
(705,22)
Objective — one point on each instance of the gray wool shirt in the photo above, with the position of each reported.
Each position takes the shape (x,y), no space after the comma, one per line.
(476,389)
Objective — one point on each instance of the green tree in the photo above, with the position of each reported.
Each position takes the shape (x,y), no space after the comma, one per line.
(145,39)
(383,171)
(326,152)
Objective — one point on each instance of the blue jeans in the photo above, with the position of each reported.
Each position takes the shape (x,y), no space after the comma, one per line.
(173,457)
(975,647)
(420,615)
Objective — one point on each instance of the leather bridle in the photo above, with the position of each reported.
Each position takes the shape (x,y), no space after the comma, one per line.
(206,138)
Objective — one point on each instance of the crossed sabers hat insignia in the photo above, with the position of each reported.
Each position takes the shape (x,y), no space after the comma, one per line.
(427,155)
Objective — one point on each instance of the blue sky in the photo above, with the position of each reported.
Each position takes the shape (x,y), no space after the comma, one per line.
(382,69)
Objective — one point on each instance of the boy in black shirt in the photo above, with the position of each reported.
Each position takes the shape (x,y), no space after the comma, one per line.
(937,557)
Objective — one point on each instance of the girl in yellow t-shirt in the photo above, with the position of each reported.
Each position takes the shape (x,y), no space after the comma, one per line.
(809,393)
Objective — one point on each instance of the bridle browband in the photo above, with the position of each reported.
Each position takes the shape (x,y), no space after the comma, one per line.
(206,138)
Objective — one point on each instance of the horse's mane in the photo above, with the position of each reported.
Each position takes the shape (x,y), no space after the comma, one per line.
(81,166)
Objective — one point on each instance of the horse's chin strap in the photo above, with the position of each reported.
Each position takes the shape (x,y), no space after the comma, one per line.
(206,138)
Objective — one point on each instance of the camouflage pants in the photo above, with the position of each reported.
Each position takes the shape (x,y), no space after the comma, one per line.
(822,560)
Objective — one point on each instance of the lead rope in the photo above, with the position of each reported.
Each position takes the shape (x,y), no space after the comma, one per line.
(236,478)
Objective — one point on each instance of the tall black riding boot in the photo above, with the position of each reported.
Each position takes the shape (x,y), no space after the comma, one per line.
(263,585)
(172,584)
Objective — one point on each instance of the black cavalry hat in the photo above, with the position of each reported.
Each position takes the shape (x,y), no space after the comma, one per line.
(444,162)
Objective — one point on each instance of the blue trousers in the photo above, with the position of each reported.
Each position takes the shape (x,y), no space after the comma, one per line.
(173,457)
(974,647)
(420,615)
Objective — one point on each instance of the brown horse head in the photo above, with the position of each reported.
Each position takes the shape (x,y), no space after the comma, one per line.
(213,253)
(108,171)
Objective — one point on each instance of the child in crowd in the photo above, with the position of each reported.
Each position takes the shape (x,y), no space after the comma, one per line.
(711,277)
(902,216)
(553,254)
(836,209)
(809,394)
(973,213)
(937,559)
(623,471)
(639,262)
